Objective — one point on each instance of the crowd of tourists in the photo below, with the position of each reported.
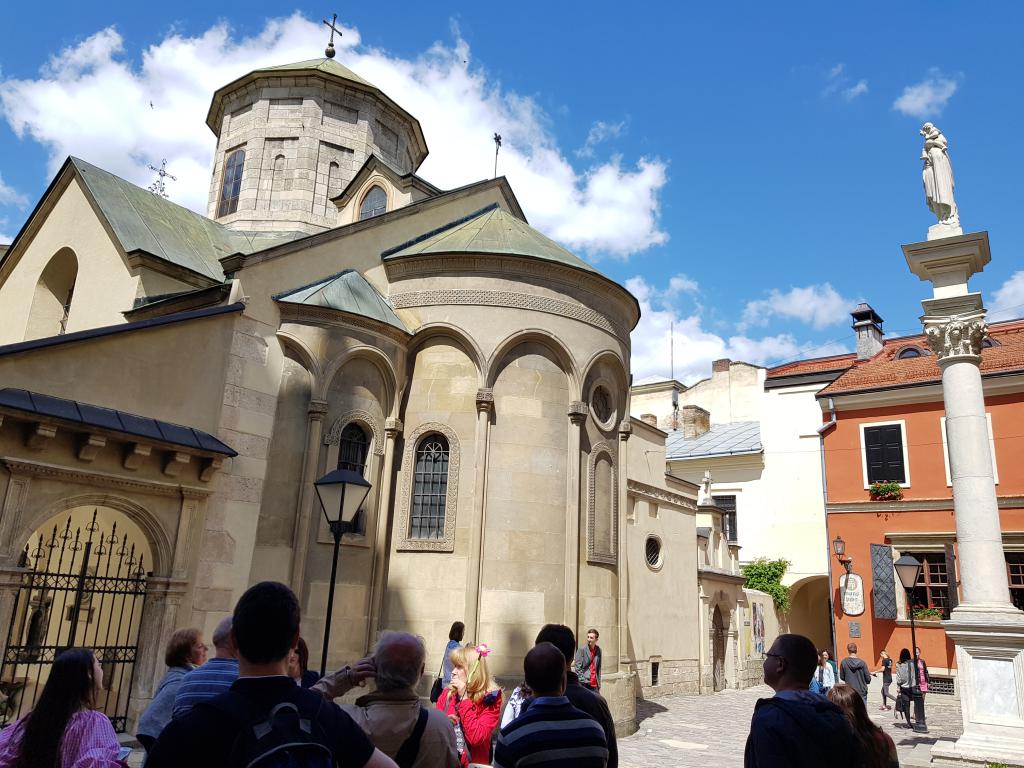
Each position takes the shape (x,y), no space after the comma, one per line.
(254,702)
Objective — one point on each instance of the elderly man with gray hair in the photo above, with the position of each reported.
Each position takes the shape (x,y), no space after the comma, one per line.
(392,716)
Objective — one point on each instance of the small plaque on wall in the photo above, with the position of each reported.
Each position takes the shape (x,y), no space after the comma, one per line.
(854,629)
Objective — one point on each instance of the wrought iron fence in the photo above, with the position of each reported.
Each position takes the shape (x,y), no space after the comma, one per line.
(83,587)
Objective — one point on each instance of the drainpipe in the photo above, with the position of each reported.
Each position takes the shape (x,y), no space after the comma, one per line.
(824,498)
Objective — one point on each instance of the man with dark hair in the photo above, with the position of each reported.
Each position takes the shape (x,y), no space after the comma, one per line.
(797,728)
(551,732)
(588,662)
(247,721)
(854,672)
(580,697)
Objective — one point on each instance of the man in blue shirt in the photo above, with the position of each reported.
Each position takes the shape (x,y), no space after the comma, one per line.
(214,677)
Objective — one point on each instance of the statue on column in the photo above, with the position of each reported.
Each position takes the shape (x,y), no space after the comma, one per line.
(938,177)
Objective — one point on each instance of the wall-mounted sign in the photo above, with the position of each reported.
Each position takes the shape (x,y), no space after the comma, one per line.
(854,629)
(851,587)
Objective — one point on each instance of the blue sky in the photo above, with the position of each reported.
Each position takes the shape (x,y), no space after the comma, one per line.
(751,170)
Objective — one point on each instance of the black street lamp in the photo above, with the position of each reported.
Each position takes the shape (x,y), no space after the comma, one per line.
(341,493)
(839,547)
(908,568)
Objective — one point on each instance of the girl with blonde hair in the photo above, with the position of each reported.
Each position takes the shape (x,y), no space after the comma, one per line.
(472,702)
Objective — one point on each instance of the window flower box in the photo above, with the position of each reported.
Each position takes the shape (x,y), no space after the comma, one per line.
(887,490)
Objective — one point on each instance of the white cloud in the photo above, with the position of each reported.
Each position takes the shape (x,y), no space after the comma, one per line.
(927,98)
(695,346)
(10,196)
(600,132)
(1008,299)
(816,305)
(854,91)
(91,101)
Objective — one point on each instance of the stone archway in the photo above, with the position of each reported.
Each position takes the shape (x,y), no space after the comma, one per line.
(810,611)
(719,636)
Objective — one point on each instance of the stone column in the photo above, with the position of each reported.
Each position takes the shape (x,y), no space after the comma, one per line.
(622,560)
(475,570)
(304,512)
(577,417)
(987,630)
(378,584)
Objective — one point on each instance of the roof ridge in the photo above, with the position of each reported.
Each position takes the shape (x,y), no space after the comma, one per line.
(321,281)
(439,230)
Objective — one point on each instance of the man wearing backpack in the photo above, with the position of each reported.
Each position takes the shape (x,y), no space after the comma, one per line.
(265,720)
(392,716)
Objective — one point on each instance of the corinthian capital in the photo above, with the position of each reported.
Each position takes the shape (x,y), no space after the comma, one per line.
(957,337)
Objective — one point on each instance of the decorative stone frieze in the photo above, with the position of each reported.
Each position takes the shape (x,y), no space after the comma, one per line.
(652,493)
(317,409)
(577,412)
(957,337)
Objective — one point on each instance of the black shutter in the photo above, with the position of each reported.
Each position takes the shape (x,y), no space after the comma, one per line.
(883,582)
(951,579)
(884,449)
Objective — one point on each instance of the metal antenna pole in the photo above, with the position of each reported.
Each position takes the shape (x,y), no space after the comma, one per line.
(497,146)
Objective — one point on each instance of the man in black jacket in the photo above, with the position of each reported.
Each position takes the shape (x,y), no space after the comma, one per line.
(797,728)
(855,673)
(580,697)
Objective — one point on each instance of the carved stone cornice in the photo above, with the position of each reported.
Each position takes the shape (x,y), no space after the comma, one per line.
(393,426)
(625,430)
(317,410)
(485,399)
(956,338)
(102,479)
(660,495)
(303,314)
(577,412)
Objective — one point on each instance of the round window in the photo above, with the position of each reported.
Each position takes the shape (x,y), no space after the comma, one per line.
(653,551)
(602,407)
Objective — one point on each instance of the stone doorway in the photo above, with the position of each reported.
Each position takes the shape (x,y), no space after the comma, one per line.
(718,638)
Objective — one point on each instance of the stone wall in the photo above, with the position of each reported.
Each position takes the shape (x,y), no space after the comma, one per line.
(680,677)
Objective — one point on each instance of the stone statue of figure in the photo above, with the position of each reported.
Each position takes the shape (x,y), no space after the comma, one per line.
(938,176)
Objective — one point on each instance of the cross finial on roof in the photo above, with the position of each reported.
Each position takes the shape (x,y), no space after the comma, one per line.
(329,51)
(158,187)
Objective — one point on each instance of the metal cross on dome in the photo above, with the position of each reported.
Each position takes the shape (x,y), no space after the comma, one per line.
(329,51)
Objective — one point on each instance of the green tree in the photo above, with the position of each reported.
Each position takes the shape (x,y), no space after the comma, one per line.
(766,575)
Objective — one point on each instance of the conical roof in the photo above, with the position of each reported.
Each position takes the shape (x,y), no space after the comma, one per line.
(346,291)
(327,66)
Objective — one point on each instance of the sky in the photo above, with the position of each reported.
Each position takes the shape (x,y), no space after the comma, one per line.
(748,170)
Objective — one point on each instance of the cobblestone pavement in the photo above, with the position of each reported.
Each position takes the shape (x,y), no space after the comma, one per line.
(710,731)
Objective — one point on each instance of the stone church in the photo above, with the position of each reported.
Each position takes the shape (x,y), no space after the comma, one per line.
(172,384)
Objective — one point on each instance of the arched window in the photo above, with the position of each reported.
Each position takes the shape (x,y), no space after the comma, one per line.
(429,488)
(51,303)
(352,448)
(276,183)
(374,204)
(232,185)
(909,352)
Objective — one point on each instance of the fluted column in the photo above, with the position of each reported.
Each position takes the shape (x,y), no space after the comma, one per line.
(577,418)
(477,540)
(378,583)
(303,514)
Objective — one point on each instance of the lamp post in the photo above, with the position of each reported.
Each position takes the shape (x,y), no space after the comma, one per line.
(341,493)
(908,568)
(839,547)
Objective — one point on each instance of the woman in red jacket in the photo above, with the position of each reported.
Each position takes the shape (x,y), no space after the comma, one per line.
(472,702)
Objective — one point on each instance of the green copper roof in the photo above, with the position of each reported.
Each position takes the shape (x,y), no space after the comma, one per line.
(489,230)
(328,66)
(143,221)
(346,291)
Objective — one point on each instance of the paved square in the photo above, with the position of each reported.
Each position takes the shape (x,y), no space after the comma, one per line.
(710,731)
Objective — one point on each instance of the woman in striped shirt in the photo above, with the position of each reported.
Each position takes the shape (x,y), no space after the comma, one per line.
(64,730)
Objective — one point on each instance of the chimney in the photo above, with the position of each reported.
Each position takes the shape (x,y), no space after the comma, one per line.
(696,421)
(721,366)
(868,327)
(649,418)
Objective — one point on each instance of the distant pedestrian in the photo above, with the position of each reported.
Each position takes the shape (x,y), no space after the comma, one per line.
(924,679)
(797,728)
(580,696)
(63,730)
(878,747)
(185,651)
(412,735)
(265,712)
(831,663)
(473,703)
(885,667)
(854,672)
(551,732)
(214,677)
(455,635)
(824,678)
(588,662)
(905,684)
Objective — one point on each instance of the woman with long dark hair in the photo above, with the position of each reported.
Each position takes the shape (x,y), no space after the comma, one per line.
(905,684)
(63,730)
(877,746)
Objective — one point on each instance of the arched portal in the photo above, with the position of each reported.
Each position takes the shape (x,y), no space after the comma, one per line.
(51,302)
(809,610)
(84,586)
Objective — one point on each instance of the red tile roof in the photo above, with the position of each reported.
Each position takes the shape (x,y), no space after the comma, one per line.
(885,370)
(814,365)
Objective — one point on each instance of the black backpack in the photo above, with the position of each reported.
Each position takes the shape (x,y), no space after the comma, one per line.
(288,736)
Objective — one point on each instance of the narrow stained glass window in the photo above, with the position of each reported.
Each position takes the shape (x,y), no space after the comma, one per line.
(429,489)
(374,204)
(232,186)
(353,448)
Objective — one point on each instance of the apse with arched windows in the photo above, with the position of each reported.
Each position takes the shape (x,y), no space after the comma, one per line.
(52,299)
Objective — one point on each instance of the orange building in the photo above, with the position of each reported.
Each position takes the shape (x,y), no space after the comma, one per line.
(884,421)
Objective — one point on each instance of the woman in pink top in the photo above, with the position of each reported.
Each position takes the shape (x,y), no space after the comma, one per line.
(63,729)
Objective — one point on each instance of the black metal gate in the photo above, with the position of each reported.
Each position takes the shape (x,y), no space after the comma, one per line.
(84,587)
